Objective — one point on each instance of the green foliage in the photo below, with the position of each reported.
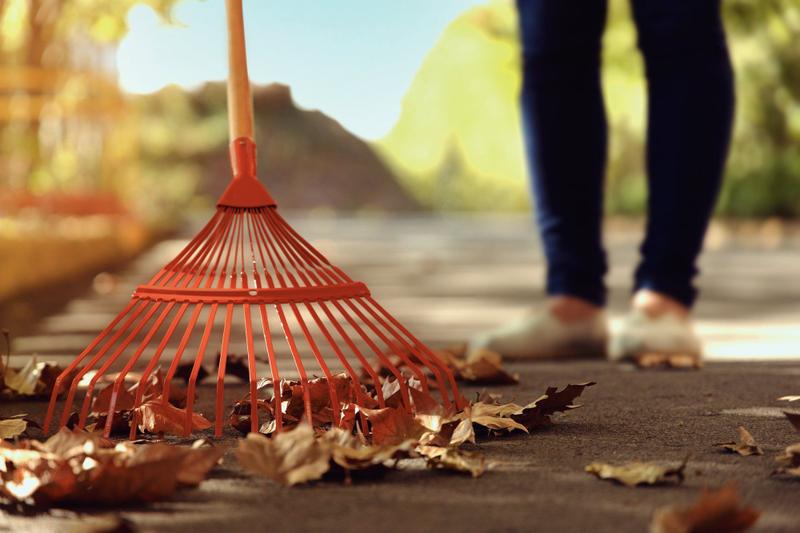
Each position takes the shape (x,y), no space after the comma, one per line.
(458,142)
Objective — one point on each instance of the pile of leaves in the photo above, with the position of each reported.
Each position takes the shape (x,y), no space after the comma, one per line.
(481,367)
(81,467)
(153,415)
(366,437)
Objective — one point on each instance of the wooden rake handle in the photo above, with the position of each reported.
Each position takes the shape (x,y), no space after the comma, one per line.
(240,103)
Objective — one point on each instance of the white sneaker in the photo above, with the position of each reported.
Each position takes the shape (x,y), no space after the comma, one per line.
(667,336)
(543,336)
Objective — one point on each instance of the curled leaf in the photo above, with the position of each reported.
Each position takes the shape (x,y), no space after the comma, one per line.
(392,426)
(159,417)
(485,367)
(789,461)
(746,445)
(12,427)
(636,473)
(473,463)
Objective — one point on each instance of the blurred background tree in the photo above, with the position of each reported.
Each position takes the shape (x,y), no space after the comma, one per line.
(66,126)
(64,123)
(458,144)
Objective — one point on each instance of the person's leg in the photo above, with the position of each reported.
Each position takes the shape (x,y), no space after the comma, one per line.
(691,101)
(565,139)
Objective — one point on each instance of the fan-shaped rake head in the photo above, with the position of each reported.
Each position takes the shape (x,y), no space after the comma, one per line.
(248,274)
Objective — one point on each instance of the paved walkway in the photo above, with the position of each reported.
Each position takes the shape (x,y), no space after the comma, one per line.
(448,277)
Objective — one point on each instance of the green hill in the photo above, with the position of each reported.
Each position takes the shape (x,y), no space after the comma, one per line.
(457,144)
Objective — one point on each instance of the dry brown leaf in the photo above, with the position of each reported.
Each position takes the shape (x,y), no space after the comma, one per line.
(13,427)
(34,380)
(446,431)
(746,445)
(714,512)
(636,473)
(794,418)
(392,426)
(80,467)
(473,463)
(125,400)
(485,367)
(789,461)
(289,458)
(160,417)
(538,413)
(661,360)
(494,417)
(348,452)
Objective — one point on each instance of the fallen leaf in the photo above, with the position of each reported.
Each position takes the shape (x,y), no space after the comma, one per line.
(348,452)
(159,417)
(494,417)
(789,461)
(184,372)
(12,427)
(81,467)
(446,432)
(24,381)
(289,458)
(470,462)
(675,361)
(715,511)
(538,413)
(636,473)
(485,367)
(392,426)
(237,366)
(794,418)
(746,445)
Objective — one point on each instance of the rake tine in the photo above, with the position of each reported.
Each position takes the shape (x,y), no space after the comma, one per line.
(318,356)
(381,356)
(309,338)
(187,252)
(137,403)
(297,362)
(176,359)
(459,399)
(82,372)
(118,383)
(48,419)
(201,352)
(424,359)
(251,369)
(271,356)
(87,398)
(221,366)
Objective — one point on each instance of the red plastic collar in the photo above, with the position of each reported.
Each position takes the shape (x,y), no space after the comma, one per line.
(245,190)
(252,296)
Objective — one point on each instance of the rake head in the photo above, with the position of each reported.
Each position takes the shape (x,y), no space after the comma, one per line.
(246,275)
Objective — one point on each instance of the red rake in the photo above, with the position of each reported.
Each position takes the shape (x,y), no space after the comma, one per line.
(249,261)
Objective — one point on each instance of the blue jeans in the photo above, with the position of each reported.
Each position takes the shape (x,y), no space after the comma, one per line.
(690,112)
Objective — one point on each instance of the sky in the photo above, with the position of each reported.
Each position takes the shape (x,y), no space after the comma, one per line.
(351,59)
